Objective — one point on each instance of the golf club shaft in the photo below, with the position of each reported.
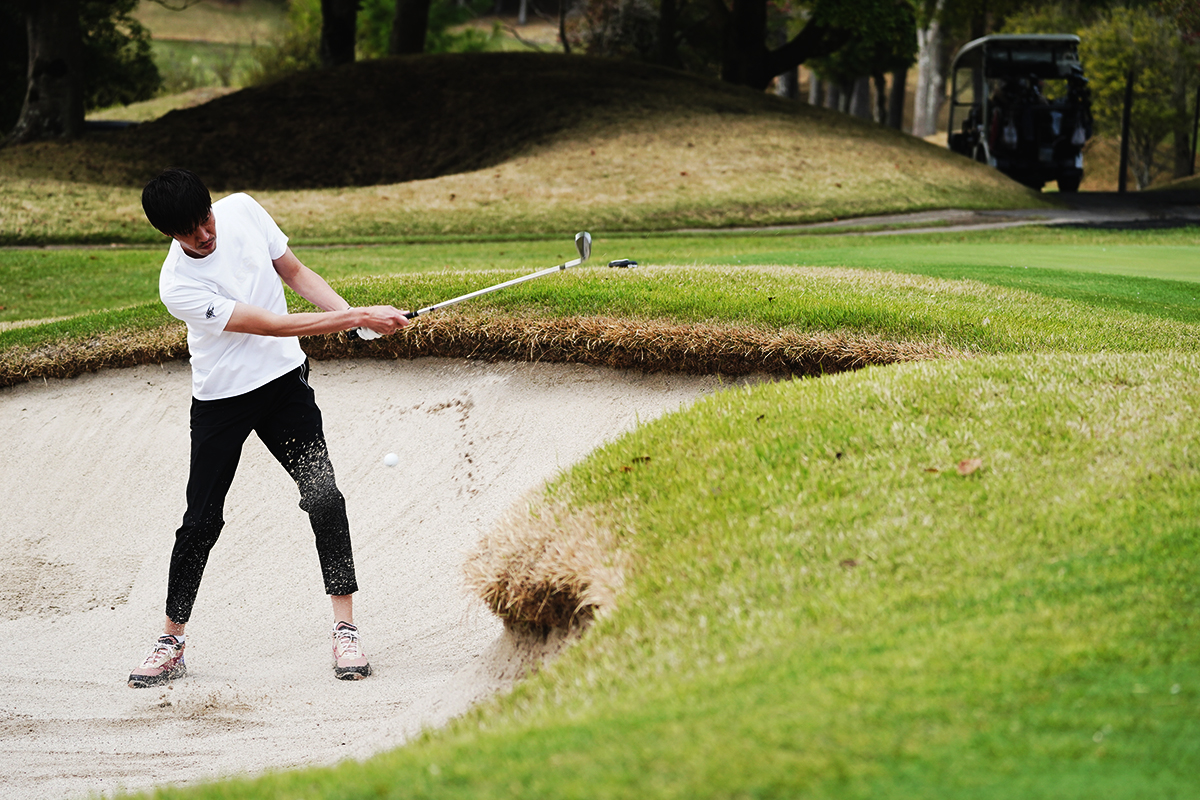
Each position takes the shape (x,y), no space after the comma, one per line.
(495,288)
(583,242)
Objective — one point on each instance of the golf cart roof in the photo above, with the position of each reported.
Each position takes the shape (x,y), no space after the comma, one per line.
(1043,55)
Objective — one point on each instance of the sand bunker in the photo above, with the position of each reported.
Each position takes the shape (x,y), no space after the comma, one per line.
(93,489)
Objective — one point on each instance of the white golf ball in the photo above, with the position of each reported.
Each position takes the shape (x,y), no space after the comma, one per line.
(391,460)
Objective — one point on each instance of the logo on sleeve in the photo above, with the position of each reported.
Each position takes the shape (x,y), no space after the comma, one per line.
(210,313)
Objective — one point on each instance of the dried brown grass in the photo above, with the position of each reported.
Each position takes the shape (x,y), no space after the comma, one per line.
(647,345)
(68,358)
(546,567)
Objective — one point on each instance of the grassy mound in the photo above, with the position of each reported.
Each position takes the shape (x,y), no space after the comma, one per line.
(397,119)
(495,143)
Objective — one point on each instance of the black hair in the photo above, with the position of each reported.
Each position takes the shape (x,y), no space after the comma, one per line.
(176,202)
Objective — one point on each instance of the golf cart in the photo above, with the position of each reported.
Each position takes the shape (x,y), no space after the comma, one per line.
(1020,103)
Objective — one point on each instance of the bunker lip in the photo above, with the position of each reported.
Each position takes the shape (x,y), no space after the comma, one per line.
(87,565)
(647,345)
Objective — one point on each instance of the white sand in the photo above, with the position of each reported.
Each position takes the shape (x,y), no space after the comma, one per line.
(94,473)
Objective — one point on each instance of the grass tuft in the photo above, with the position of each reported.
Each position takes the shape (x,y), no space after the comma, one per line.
(545,566)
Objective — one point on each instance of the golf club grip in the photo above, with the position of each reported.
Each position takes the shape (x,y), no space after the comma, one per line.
(367,333)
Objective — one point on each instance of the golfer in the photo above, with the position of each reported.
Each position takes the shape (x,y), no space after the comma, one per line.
(248,374)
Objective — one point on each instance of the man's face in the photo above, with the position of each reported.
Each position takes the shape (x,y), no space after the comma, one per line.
(202,241)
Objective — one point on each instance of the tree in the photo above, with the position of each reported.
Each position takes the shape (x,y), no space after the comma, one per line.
(933,62)
(424,26)
(1137,40)
(887,45)
(72,56)
(14,66)
(53,106)
(118,64)
(745,59)
(338,31)
(1186,14)
(409,27)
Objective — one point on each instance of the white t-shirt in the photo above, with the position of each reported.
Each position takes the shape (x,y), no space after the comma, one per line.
(203,291)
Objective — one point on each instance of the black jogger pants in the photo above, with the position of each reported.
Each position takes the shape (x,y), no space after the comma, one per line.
(285,416)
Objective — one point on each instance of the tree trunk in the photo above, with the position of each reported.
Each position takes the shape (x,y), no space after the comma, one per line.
(860,98)
(1195,133)
(931,74)
(815,89)
(53,105)
(744,54)
(523,13)
(1179,128)
(833,95)
(562,26)
(880,111)
(1126,110)
(668,23)
(787,83)
(895,116)
(338,31)
(409,27)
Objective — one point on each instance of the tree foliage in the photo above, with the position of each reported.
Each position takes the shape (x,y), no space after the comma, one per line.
(1186,14)
(885,41)
(297,48)
(627,29)
(751,41)
(116,55)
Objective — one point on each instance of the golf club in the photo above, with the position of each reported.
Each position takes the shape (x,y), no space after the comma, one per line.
(583,243)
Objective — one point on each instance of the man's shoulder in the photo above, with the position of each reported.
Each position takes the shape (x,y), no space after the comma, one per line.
(240,206)
(236,200)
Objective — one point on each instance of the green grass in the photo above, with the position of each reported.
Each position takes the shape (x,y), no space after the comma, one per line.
(243,21)
(186,65)
(39,284)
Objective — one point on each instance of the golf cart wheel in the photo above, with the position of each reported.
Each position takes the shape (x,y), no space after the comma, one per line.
(1069,184)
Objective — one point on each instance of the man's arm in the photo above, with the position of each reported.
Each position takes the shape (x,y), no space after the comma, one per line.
(338,316)
(308,284)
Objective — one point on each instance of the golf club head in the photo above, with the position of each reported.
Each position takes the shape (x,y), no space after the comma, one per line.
(583,243)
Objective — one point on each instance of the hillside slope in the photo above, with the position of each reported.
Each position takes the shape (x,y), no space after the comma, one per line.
(497,143)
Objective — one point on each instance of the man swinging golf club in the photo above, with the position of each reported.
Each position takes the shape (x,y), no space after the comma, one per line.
(248,374)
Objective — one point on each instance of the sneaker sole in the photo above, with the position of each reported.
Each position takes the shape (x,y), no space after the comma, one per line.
(351,673)
(146,681)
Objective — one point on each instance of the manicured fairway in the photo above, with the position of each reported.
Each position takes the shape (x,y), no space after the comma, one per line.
(1165,262)
(37,284)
